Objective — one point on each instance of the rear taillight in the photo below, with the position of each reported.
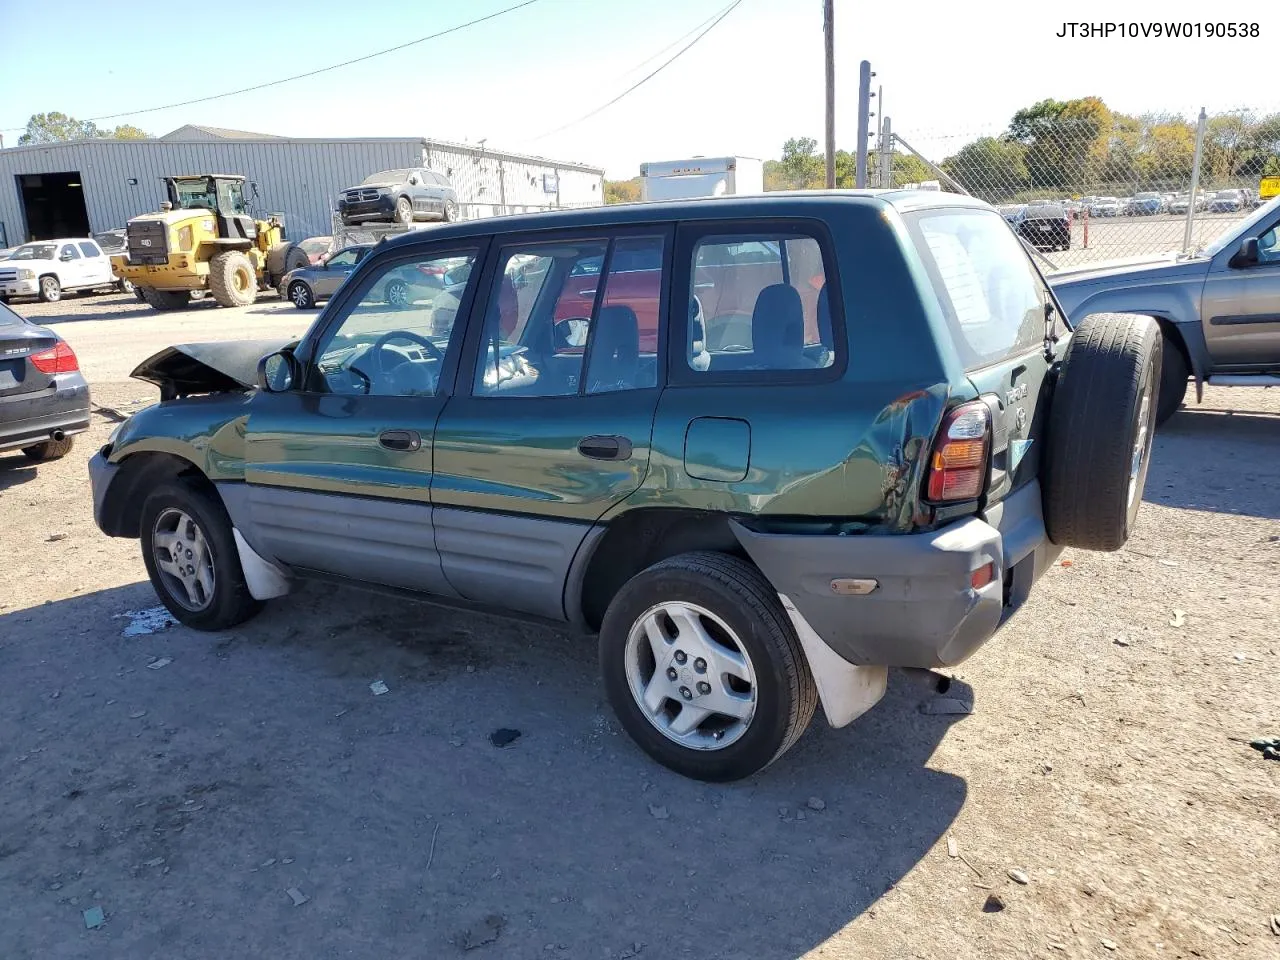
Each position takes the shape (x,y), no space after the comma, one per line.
(59,359)
(958,466)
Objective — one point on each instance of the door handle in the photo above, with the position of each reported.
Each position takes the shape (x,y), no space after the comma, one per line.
(605,448)
(400,439)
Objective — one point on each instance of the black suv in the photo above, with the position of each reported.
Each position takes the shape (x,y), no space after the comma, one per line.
(399,196)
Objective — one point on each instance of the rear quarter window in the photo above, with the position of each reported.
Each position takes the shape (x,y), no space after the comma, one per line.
(991,295)
(8,318)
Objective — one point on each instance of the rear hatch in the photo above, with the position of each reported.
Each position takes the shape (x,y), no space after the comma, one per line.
(994,301)
(19,342)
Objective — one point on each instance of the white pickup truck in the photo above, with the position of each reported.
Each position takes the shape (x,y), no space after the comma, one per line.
(46,268)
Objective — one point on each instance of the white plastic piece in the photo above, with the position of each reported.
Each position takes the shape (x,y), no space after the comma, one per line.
(847,691)
(265,579)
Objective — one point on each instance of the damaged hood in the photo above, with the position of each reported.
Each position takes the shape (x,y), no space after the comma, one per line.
(218,367)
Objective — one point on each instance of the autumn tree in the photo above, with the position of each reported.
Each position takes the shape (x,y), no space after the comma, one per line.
(57,127)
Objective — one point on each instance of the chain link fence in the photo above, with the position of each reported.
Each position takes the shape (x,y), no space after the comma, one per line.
(1097,185)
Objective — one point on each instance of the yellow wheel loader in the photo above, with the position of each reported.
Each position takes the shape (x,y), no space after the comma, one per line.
(203,239)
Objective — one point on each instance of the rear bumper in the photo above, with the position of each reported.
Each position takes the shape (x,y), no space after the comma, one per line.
(27,420)
(923,611)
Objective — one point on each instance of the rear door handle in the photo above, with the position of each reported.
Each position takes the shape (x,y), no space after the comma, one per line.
(605,448)
(400,439)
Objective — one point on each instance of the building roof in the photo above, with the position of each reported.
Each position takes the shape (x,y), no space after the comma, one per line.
(186,132)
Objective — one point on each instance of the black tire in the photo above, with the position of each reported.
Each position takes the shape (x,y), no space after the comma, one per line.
(301,296)
(282,259)
(163,299)
(49,449)
(139,295)
(124,286)
(738,594)
(50,289)
(450,211)
(1173,380)
(1100,427)
(404,211)
(397,293)
(230,602)
(232,279)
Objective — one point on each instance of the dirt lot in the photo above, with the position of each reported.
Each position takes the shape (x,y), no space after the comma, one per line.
(185,800)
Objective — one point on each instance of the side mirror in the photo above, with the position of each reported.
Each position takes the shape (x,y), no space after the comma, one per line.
(414,181)
(1247,255)
(65,257)
(277,372)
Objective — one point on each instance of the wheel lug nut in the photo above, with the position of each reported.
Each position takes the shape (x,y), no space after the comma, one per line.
(704,687)
(700,665)
(686,693)
(671,673)
(681,657)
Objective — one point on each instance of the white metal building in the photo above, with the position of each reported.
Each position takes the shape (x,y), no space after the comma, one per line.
(87,186)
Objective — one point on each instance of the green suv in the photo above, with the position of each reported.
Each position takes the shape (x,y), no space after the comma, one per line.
(764,447)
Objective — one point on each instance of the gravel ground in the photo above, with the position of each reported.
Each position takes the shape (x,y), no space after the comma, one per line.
(187,799)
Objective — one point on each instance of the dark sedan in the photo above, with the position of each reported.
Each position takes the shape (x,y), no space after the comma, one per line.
(399,196)
(44,400)
(1045,226)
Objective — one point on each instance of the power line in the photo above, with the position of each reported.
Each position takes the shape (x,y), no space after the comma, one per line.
(674,43)
(645,79)
(310,73)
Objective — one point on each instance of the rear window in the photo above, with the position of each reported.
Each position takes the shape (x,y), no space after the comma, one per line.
(8,318)
(989,290)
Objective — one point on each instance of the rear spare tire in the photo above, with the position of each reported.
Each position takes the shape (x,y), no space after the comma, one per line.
(232,279)
(1100,429)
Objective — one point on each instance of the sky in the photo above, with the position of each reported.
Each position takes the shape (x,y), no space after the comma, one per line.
(949,71)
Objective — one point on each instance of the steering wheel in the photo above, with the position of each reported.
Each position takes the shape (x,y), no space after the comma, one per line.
(390,335)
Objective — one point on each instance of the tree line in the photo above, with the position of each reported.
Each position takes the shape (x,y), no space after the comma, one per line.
(57,127)
(1082,146)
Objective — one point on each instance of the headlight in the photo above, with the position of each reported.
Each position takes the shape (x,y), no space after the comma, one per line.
(384,190)
(26,274)
(186,238)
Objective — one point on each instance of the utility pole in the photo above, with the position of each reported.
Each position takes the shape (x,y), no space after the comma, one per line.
(829,39)
(864,121)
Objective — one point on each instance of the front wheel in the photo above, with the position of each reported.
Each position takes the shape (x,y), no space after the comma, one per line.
(50,289)
(124,286)
(191,558)
(398,293)
(450,211)
(703,667)
(404,211)
(301,295)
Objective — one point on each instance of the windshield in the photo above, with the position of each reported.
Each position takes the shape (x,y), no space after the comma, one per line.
(1242,228)
(388,176)
(207,193)
(34,251)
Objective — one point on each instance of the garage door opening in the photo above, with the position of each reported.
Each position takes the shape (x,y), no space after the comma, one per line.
(53,205)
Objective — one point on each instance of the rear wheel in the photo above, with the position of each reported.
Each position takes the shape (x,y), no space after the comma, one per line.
(703,668)
(163,299)
(301,295)
(232,279)
(50,289)
(49,449)
(1173,380)
(404,210)
(191,558)
(1101,425)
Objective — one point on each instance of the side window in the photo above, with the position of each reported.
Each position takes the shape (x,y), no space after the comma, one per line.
(345,258)
(552,331)
(70,252)
(758,302)
(536,321)
(90,250)
(392,343)
(990,292)
(1269,245)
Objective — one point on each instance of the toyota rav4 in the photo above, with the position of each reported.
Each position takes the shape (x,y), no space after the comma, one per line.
(764,447)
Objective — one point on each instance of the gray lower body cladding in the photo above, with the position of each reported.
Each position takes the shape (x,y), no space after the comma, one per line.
(924,611)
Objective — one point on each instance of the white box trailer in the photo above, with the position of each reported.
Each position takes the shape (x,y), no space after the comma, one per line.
(701,177)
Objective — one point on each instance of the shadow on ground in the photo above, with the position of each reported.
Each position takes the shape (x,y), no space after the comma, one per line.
(187,800)
(1219,461)
(15,468)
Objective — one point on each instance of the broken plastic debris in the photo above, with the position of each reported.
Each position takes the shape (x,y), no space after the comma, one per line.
(1019,876)
(1178,619)
(297,896)
(993,904)
(378,688)
(157,664)
(953,850)
(1109,944)
(148,621)
(94,918)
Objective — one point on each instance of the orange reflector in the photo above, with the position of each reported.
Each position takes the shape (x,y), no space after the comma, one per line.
(982,576)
